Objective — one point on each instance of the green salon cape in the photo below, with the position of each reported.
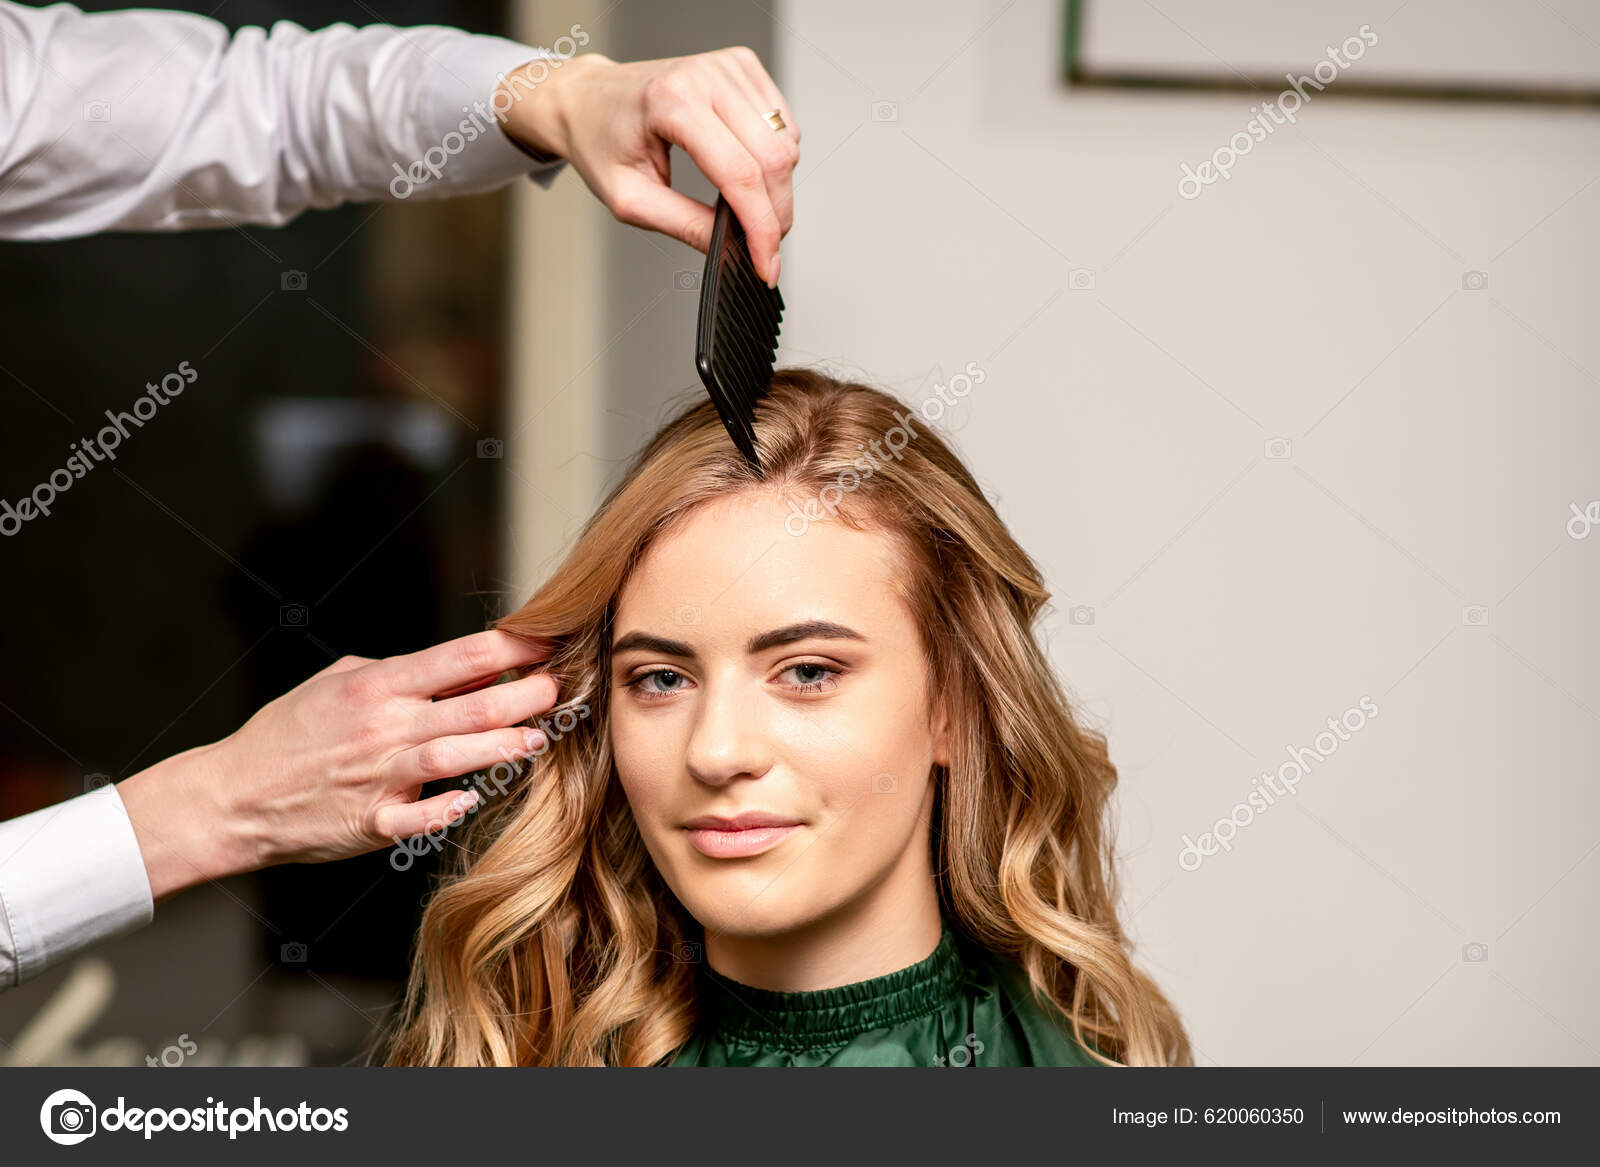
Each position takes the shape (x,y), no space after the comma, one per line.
(961,1007)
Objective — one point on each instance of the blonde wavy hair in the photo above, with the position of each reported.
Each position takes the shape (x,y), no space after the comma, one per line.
(553,941)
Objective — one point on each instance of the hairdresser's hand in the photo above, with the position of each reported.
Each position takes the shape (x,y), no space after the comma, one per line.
(617,122)
(333,767)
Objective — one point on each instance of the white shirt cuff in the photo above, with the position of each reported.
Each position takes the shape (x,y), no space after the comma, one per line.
(460,76)
(70,875)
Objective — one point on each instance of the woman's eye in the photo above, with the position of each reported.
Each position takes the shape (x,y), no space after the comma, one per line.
(670,681)
(806,677)
(811,677)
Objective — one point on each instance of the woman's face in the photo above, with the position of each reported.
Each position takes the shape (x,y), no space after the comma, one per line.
(779,679)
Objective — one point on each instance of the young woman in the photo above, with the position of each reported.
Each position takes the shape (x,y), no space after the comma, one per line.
(827,804)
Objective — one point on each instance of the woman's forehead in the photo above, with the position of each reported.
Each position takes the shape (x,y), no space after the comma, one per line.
(732,562)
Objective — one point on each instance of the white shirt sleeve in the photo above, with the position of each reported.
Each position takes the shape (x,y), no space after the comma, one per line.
(70,875)
(151,121)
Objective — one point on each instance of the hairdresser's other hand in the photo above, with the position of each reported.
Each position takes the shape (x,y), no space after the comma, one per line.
(333,767)
(616,122)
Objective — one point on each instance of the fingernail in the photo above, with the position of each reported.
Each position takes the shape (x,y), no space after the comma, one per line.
(536,740)
(777,262)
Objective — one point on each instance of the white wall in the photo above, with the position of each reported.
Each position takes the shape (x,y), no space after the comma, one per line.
(1437,436)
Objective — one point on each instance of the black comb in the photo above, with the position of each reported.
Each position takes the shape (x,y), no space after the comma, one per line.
(737,338)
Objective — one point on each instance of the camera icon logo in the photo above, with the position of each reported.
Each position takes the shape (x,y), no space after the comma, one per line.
(294,616)
(1277,449)
(686,614)
(1475,616)
(1474,281)
(685,281)
(1475,953)
(1080,614)
(885,784)
(885,111)
(292,281)
(67,1117)
(293,953)
(97,111)
(491,448)
(95,781)
(688,952)
(1081,279)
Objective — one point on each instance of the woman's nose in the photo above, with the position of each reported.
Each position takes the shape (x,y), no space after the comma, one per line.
(729,739)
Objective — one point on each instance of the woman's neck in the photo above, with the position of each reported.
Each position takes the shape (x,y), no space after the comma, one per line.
(892,926)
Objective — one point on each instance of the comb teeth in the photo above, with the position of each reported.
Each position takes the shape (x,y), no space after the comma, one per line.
(737,338)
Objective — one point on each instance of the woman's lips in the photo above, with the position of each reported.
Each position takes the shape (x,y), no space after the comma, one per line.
(747,834)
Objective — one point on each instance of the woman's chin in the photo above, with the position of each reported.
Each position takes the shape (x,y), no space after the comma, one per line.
(748,908)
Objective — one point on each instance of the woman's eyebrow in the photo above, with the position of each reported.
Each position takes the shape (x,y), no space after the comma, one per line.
(649,643)
(805,630)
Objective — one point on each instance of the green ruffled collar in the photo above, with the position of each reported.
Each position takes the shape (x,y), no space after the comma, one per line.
(822,1018)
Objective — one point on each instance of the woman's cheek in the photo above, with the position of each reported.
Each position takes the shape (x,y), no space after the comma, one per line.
(639,759)
(874,744)
(826,750)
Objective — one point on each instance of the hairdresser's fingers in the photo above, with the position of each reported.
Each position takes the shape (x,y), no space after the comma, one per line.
(459,663)
(448,757)
(345,664)
(740,107)
(770,97)
(732,169)
(496,707)
(404,819)
(480,683)
(639,202)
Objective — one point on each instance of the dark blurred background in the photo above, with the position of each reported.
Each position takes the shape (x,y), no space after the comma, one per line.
(326,486)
